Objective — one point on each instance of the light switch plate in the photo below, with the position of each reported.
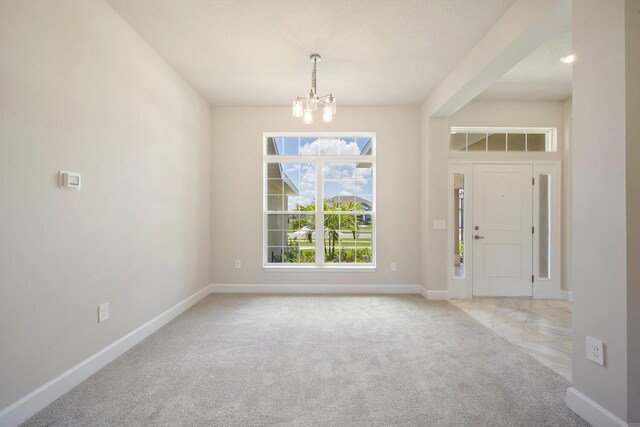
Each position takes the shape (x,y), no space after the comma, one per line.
(595,350)
(439,224)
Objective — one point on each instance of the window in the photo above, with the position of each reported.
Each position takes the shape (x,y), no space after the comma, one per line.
(458,220)
(503,139)
(300,171)
(544,226)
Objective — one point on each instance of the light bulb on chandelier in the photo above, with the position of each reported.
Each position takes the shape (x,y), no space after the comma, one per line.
(327,115)
(298,108)
(307,117)
(304,107)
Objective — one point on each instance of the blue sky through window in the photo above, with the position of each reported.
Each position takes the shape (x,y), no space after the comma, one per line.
(313,146)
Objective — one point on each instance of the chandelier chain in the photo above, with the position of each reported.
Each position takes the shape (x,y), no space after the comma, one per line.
(313,78)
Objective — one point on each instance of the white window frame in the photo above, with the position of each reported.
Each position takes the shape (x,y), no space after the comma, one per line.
(319,161)
(551,137)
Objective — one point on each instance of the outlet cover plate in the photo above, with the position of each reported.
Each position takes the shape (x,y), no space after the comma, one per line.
(595,350)
(103,312)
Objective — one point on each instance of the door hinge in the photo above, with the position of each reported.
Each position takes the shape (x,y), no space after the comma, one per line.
(532,278)
(533,181)
(533,229)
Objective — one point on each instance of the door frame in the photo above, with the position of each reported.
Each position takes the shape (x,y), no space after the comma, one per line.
(546,288)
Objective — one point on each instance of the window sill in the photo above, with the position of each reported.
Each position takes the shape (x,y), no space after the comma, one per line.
(325,268)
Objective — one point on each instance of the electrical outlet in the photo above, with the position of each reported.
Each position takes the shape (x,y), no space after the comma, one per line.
(394,266)
(595,350)
(103,312)
(238,263)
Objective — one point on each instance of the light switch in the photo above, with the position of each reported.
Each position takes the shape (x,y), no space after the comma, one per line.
(439,224)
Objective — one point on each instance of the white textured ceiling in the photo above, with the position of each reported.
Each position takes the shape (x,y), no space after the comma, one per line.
(255,52)
(539,77)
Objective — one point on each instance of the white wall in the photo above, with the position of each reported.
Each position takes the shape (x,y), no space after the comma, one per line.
(238,183)
(435,156)
(605,204)
(81,91)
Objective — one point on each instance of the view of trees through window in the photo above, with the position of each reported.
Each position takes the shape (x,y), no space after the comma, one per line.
(302,170)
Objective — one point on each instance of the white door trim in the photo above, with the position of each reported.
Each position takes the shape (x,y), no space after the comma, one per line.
(542,289)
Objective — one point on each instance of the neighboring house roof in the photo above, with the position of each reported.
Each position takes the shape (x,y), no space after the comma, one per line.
(367,147)
(366,150)
(274,170)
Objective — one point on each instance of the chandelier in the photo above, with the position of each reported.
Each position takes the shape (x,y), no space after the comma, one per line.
(305,106)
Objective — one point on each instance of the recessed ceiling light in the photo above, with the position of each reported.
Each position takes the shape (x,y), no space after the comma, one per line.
(568,59)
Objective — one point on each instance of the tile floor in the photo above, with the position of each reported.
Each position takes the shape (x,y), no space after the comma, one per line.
(542,328)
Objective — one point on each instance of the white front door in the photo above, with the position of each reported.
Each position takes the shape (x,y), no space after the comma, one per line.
(502,230)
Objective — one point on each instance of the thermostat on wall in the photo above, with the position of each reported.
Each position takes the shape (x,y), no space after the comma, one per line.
(69,180)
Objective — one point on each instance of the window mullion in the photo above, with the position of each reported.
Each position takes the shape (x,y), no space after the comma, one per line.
(319,214)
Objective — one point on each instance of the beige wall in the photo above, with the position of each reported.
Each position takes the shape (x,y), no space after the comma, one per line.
(436,249)
(81,91)
(510,113)
(435,155)
(566,225)
(632,63)
(238,183)
(605,202)
(425,205)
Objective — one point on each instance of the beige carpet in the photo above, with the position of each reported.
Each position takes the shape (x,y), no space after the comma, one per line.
(251,360)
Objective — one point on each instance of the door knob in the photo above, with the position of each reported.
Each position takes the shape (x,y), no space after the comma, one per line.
(478,237)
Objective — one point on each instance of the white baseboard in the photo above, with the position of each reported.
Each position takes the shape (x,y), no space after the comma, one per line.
(315,289)
(23,409)
(435,295)
(591,411)
(567,295)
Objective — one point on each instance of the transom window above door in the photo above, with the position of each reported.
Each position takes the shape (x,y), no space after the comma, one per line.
(477,139)
(319,201)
